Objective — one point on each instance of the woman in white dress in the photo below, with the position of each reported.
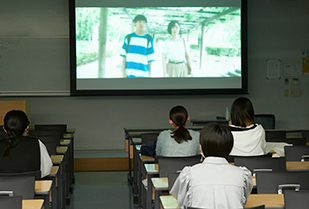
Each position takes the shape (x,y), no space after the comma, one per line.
(175,54)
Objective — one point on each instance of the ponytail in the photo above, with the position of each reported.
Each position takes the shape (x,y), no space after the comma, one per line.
(15,123)
(181,134)
(10,137)
(179,116)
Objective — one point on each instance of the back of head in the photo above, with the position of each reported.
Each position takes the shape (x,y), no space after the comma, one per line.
(140,18)
(242,112)
(15,124)
(216,140)
(179,116)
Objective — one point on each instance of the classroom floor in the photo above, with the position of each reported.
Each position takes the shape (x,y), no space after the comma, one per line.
(102,190)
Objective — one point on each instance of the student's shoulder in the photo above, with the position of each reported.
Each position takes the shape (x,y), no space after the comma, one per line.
(30,138)
(192,132)
(165,133)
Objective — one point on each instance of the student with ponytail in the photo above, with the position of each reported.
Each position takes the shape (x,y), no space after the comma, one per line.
(180,141)
(21,153)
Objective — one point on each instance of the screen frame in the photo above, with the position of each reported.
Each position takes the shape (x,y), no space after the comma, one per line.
(146,92)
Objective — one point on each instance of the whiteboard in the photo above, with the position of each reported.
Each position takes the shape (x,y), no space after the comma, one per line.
(34,48)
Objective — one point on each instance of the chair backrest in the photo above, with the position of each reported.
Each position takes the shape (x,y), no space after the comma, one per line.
(271,135)
(36,174)
(175,164)
(20,185)
(193,208)
(277,182)
(294,141)
(58,135)
(254,163)
(296,200)
(7,202)
(171,177)
(231,158)
(3,135)
(305,134)
(257,207)
(266,120)
(296,153)
(51,142)
(149,138)
(62,127)
(51,127)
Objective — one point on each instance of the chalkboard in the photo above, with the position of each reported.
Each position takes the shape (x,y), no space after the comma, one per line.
(34,48)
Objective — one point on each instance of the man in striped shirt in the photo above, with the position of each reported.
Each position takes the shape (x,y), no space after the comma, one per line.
(137,51)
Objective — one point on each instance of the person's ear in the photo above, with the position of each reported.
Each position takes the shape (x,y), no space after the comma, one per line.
(201,149)
(4,129)
(170,121)
(188,118)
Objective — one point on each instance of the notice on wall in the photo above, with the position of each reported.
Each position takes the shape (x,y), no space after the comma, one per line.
(305,62)
(273,69)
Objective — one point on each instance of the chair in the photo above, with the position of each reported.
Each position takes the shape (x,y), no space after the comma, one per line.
(36,174)
(305,134)
(296,153)
(257,207)
(149,138)
(275,135)
(276,182)
(2,133)
(175,164)
(58,135)
(266,120)
(261,162)
(231,158)
(171,178)
(20,185)
(10,201)
(294,141)
(51,127)
(296,200)
(50,141)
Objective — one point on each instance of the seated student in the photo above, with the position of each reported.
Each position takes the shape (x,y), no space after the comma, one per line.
(20,152)
(180,141)
(249,137)
(214,183)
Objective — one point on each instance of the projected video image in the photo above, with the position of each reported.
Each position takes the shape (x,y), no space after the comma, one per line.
(158,42)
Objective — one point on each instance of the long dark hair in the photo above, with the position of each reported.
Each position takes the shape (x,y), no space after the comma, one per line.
(15,123)
(242,112)
(179,116)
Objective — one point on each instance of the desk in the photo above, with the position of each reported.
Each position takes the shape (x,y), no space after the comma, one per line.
(32,204)
(56,188)
(270,201)
(63,150)
(144,173)
(69,142)
(43,188)
(297,165)
(59,160)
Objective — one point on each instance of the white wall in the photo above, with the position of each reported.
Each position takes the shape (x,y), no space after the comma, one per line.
(277,29)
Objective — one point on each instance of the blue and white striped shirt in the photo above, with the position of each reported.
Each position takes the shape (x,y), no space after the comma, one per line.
(137,54)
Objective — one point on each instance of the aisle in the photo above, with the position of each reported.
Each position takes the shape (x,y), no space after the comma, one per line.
(102,190)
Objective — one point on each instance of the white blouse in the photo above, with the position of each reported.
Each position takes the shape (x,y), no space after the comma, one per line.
(175,49)
(213,184)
